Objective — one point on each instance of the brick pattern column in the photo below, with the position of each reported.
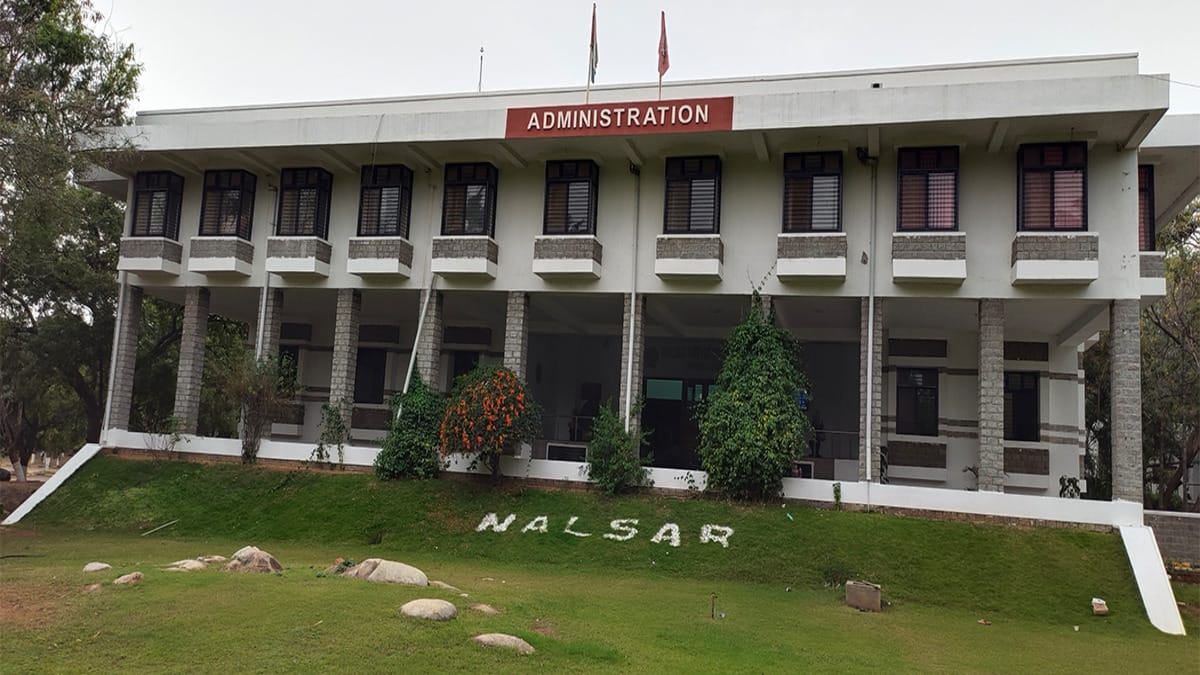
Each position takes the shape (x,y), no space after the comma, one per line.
(875,381)
(345,351)
(1126,392)
(130,325)
(272,309)
(429,344)
(991,395)
(632,320)
(191,358)
(516,334)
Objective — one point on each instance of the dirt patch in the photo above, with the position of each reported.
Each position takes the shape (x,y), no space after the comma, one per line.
(29,605)
(543,627)
(16,533)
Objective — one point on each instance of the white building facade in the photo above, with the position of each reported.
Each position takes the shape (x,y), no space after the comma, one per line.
(944,241)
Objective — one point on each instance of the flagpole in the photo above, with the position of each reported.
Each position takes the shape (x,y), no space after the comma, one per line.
(587,90)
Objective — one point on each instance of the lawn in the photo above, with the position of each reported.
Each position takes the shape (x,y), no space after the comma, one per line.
(586,603)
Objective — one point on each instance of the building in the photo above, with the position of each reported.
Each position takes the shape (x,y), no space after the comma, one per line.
(945,241)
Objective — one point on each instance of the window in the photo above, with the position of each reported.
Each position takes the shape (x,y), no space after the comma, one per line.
(469,204)
(157,199)
(693,201)
(369,372)
(304,203)
(1053,186)
(812,192)
(917,401)
(1021,416)
(1146,234)
(228,206)
(928,189)
(385,204)
(571,197)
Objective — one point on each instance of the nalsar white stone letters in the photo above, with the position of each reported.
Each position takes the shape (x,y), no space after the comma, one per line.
(621,529)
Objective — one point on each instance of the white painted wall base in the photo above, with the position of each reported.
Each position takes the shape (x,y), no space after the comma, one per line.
(1055,271)
(1151,575)
(689,268)
(810,268)
(929,271)
(465,266)
(381,266)
(148,266)
(566,267)
(220,266)
(310,265)
(64,472)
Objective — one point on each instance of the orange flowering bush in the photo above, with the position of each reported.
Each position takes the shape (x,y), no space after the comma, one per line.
(488,415)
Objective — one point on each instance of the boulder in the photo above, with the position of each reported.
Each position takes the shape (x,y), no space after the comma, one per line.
(484,609)
(252,559)
(864,596)
(186,566)
(382,571)
(96,567)
(429,608)
(443,585)
(504,640)
(91,588)
(128,579)
(212,559)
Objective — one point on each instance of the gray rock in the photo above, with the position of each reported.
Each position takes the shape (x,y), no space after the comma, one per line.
(252,559)
(128,579)
(212,559)
(91,588)
(381,571)
(186,566)
(504,640)
(443,585)
(484,609)
(429,608)
(96,567)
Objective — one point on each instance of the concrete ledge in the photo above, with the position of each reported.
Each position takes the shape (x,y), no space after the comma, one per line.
(810,255)
(695,256)
(298,255)
(798,269)
(221,255)
(150,255)
(1055,272)
(474,255)
(929,271)
(567,255)
(390,256)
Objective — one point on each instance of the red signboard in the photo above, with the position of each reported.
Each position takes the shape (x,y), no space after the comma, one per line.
(622,119)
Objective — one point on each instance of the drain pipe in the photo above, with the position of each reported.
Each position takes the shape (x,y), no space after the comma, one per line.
(122,283)
(262,307)
(637,217)
(872,162)
(430,286)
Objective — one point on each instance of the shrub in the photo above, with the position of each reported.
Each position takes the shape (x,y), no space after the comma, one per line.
(752,428)
(488,415)
(334,432)
(410,449)
(261,388)
(615,461)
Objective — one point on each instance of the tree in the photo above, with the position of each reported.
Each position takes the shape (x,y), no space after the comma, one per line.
(261,387)
(614,455)
(61,83)
(752,429)
(1171,369)
(489,414)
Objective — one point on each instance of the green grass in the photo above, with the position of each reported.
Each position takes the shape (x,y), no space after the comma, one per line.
(587,604)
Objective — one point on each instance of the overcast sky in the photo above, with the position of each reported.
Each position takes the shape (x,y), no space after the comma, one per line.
(232,52)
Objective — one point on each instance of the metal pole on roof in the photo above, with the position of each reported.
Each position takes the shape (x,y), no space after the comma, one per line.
(480,68)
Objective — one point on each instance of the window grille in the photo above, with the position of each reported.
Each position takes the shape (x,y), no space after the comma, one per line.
(693,198)
(928,189)
(812,192)
(1021,413)
(385,202)
(1146,233)
(304,196)
(917,401)
(157,201)
(227,208)
(469,200)
(1053,186)
(571,190)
